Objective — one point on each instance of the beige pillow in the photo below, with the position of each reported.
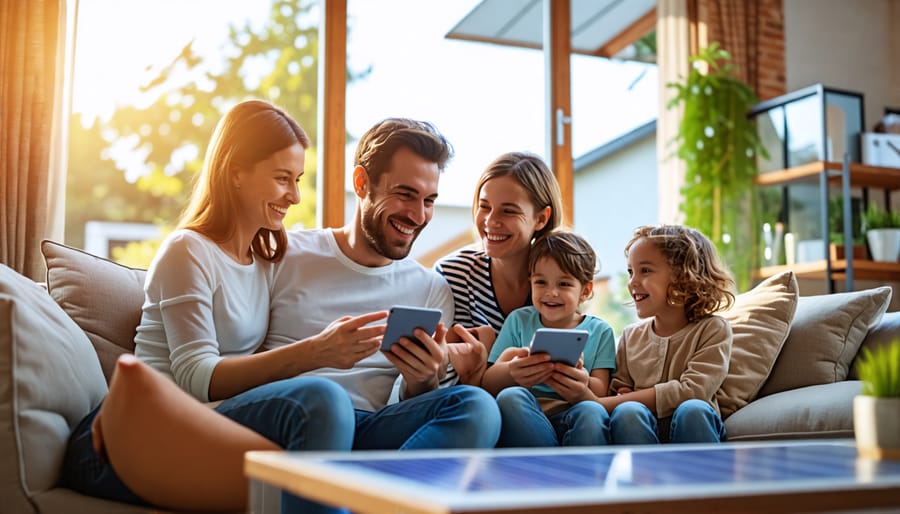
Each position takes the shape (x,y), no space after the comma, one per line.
(824,338)
(760,319)
(103,297)
(49,380)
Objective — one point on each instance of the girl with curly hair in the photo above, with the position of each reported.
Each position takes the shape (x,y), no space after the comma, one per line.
(670,364)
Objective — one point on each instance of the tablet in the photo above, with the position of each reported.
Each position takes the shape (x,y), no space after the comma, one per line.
(564,345)
(402,320)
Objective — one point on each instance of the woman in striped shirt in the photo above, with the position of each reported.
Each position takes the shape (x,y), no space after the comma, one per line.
(517,199)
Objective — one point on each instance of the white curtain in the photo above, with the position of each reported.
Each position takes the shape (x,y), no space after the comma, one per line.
(33,121)
(673,51)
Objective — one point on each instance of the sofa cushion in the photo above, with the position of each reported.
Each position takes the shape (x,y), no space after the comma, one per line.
(103,297)
(824,338)
(760,320)
(886,331)
(820,411)
(49,380)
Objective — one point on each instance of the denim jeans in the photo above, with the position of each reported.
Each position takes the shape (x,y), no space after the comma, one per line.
(459,416)
(303,413)
(694,421)
(525,425)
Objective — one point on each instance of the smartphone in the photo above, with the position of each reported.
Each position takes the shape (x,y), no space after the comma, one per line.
(563,345)
(402,320)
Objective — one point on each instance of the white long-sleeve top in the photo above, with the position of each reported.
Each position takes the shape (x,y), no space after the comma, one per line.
(199,307)
(316,284)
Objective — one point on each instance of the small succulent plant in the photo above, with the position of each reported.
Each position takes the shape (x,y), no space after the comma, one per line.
(879,370)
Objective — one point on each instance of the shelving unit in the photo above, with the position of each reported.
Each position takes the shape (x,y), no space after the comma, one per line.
(830,175)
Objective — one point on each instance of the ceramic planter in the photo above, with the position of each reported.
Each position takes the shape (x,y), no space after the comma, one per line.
(876,425)
(884,244)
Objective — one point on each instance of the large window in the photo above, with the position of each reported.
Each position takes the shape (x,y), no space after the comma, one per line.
(486,99)
(151,79)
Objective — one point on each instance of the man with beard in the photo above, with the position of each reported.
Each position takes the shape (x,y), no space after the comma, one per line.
(332,278)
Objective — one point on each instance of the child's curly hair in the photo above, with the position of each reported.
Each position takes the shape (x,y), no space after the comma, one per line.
(701,282)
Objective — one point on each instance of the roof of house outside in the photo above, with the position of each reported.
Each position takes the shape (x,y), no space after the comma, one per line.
(620,143)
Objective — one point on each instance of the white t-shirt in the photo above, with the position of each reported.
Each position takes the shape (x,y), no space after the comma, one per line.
(316,284)
(200,306)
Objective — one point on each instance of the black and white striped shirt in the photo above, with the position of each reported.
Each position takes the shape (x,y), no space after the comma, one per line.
(468,272)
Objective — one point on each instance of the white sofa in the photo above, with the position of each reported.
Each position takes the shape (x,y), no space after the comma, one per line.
(57,351)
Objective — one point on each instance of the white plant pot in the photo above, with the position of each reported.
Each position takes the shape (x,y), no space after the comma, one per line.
(876,425)
(884,244)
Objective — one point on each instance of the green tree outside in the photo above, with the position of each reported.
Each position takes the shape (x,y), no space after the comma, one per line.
(277,62)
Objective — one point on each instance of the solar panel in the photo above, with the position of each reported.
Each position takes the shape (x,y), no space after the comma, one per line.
(486,480)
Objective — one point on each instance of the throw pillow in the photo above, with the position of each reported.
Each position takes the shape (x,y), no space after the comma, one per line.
(760,320)
(883,333)
(49,380)
(103,297)
(825,336)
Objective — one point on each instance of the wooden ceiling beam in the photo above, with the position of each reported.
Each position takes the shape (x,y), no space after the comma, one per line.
(629,35)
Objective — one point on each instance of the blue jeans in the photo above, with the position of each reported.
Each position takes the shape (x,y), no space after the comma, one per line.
(694,421)
(525,425)
(459,416)
(302,413)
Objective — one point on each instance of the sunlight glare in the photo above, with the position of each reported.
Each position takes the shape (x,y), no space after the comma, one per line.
(120,45)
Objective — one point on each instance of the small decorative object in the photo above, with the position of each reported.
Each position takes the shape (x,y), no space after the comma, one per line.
(882,233)
(876,412)
(836,248)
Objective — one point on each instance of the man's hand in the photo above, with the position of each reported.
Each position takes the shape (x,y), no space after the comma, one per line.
(421,366)
(346,341)
(468,355)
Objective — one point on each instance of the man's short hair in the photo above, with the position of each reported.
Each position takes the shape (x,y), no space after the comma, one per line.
(379,143)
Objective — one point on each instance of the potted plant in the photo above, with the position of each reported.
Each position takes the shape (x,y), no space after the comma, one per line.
(876,412)
(719,145)
(882,233)
(836,224)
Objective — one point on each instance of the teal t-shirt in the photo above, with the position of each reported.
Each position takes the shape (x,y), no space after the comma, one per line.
(521,324)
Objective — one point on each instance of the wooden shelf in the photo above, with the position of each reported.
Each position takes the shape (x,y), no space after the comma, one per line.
(861,175)
(863,269)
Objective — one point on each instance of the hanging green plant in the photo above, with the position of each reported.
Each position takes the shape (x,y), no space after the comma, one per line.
(719,146)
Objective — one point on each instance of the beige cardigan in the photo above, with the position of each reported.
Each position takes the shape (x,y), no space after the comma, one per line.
(692,363)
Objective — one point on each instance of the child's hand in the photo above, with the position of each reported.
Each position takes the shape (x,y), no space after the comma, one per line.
(571,382)
(624,390)
(512,353)
(526,369)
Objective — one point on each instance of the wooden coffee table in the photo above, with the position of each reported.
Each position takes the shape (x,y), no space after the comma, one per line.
(750,477)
